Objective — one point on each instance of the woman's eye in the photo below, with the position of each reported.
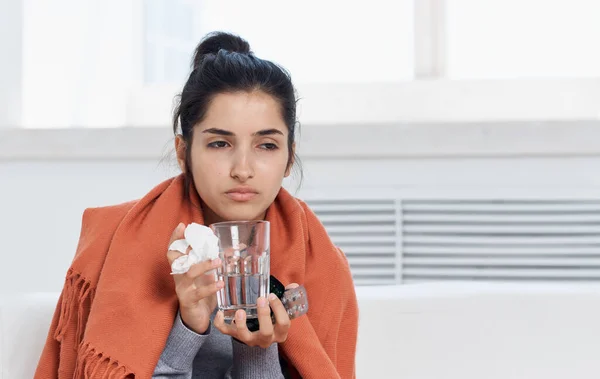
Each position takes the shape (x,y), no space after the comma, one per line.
(268,146)
(218,144)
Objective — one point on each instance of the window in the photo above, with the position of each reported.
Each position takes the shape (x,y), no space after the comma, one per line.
(332,41)
(169,39)
(523,38)
(322,41)
(109,63)
(97,63)
(80,62)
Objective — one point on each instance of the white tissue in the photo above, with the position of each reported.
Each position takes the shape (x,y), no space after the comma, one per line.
(182,264)
(204,246)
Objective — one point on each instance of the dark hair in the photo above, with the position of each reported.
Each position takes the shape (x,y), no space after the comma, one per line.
(224,63)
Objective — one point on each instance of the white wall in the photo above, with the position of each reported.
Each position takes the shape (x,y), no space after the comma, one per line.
(41,205)
(83,77)
(10,64)
(42,197)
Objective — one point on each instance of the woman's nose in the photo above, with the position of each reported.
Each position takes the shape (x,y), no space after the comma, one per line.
(242,168)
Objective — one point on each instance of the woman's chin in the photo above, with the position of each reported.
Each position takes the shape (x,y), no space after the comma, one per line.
(242,215)
(233,211)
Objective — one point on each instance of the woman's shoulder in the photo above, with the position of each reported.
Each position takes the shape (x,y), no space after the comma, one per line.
(98,225)
(106,215)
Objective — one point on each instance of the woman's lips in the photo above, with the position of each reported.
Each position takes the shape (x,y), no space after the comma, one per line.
(241,194)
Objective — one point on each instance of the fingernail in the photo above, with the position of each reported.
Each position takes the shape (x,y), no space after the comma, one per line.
(216,262)
(272,296)
(180,226)
(239,316)
(261,302)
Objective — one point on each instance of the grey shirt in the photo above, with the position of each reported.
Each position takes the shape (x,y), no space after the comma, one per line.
(214,355)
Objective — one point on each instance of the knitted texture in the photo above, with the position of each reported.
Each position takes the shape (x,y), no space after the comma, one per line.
(118,303)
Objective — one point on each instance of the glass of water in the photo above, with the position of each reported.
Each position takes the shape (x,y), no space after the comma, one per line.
(244,252)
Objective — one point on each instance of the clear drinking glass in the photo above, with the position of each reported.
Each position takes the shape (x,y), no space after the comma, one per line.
(244,252)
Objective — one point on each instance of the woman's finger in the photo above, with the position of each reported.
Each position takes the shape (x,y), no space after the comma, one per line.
(282,319)
(265,332)
(205,279)
(178,233)
(230,250)
(242,332)
(222,326)
(197,270)
(194,294)
(198,283)
(203,270)
(172,255)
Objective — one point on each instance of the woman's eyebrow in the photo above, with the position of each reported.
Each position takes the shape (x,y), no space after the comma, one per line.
(223,132)
(267,132)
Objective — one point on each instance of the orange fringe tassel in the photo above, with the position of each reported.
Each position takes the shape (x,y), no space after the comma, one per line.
(78,293)
(92,364)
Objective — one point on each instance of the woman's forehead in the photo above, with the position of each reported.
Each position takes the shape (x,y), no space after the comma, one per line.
(244,113)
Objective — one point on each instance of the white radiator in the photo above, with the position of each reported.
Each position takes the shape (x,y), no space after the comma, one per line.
(415,240)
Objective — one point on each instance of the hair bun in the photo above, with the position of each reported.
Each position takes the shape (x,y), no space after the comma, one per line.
(216,41)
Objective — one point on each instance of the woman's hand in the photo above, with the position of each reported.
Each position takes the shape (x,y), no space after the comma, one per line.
(268,333)
(195,289)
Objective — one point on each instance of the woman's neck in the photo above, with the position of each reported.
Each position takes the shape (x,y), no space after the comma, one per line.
(209,216)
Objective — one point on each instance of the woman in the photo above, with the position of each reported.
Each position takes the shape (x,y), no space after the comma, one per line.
(122,314)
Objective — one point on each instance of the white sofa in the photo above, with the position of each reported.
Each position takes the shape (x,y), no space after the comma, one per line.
(470,330)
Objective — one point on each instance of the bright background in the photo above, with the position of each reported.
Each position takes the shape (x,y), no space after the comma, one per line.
(442,140)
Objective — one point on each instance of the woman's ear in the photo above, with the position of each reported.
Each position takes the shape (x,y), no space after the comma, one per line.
(181,151)
(291,161)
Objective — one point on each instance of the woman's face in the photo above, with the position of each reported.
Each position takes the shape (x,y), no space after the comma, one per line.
(239,156)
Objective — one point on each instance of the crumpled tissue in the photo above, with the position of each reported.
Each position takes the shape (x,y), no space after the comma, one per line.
(203,244)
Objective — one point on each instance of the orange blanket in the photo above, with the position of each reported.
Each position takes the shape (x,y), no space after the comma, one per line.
(118,304)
